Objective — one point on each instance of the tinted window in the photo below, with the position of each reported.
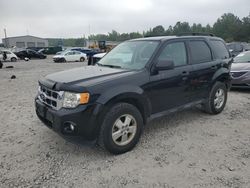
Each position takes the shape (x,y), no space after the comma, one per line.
(220,49)
(69,53)
(175,52)
(31,52)
(200,52)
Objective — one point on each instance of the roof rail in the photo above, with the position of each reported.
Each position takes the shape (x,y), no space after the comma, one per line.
(196,34)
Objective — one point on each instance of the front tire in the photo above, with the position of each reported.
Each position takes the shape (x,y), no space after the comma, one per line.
(63,60)
(13,59)
(217,99)
(121,128)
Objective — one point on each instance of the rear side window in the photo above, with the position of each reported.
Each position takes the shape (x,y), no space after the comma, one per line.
(175,52)
(200,52)
(220,49)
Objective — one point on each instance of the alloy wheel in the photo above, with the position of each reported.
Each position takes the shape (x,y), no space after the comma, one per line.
(219,98)
(124,130)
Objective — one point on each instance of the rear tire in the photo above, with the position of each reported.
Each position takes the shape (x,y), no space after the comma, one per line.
(121,128)
(217,99)
(82,59)
(13,59)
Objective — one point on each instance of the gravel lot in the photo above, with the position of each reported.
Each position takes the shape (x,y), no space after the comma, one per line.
(186,149)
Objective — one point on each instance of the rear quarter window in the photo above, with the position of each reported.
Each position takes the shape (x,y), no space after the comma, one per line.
(220,49)
(200,52)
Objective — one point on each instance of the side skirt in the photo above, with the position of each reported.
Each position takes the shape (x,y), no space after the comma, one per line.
(176,109)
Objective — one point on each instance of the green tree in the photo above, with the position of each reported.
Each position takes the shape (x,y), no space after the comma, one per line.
(113,36)
(158,30)
(124,36)
(169,31)
(229,27)
(135,35)
(246,28)
(181,27)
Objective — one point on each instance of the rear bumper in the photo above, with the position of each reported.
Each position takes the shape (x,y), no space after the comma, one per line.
(84,118)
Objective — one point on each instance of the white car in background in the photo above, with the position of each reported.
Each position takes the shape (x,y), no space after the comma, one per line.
(95,58)
(10,55)
(70,56)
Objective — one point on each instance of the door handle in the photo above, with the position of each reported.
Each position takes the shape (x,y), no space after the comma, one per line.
(214,67)
(185,73)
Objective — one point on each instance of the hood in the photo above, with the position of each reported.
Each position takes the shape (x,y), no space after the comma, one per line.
(240,67)
(58,56)
(87,75)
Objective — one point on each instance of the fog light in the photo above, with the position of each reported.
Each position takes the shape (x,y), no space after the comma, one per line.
(72,127)
(69,127)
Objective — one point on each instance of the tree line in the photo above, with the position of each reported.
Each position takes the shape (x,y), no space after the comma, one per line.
(229,27)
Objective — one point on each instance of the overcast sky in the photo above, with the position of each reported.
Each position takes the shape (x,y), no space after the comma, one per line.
(76,18)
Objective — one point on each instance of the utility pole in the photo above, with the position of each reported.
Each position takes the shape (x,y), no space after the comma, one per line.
(6,40)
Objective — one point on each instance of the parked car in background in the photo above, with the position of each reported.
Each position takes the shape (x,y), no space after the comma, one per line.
(60,52)
(10,55)
(95,58)
(237,47)
(70,56)
(240,70)
(50,50)
(30,54)
(89,52)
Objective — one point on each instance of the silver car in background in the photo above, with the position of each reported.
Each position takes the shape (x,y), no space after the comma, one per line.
(240,70)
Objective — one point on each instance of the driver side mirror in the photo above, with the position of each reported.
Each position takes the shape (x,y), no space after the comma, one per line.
(164,65)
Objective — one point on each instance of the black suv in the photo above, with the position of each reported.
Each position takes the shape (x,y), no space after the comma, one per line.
(137,81)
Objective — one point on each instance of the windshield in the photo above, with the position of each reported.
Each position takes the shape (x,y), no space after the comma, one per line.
(242,58)
(130,55)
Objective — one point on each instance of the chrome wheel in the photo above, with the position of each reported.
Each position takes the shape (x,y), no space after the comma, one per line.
(124,130)
(219,98)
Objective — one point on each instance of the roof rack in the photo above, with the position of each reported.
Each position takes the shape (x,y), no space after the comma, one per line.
(196,34)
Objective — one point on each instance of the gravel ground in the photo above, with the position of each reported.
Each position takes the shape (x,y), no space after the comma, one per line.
(186,149)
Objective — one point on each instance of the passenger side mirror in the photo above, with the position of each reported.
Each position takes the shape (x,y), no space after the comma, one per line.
(164,65)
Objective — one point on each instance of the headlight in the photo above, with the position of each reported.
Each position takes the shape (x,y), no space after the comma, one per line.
(72,100)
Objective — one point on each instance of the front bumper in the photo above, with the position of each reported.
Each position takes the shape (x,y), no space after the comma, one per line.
(85,119)
(61,59)
(241,81)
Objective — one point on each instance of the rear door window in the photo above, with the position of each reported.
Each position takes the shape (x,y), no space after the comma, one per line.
(200,52)
(69,53)
(220,49)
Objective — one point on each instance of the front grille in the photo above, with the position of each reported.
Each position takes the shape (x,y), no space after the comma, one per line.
(49,97)
(238,74)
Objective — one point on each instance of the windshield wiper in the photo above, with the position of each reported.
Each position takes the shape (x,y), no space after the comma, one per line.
(111,66)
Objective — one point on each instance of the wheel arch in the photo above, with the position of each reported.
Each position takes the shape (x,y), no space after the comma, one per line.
(134,96)
(222,75)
